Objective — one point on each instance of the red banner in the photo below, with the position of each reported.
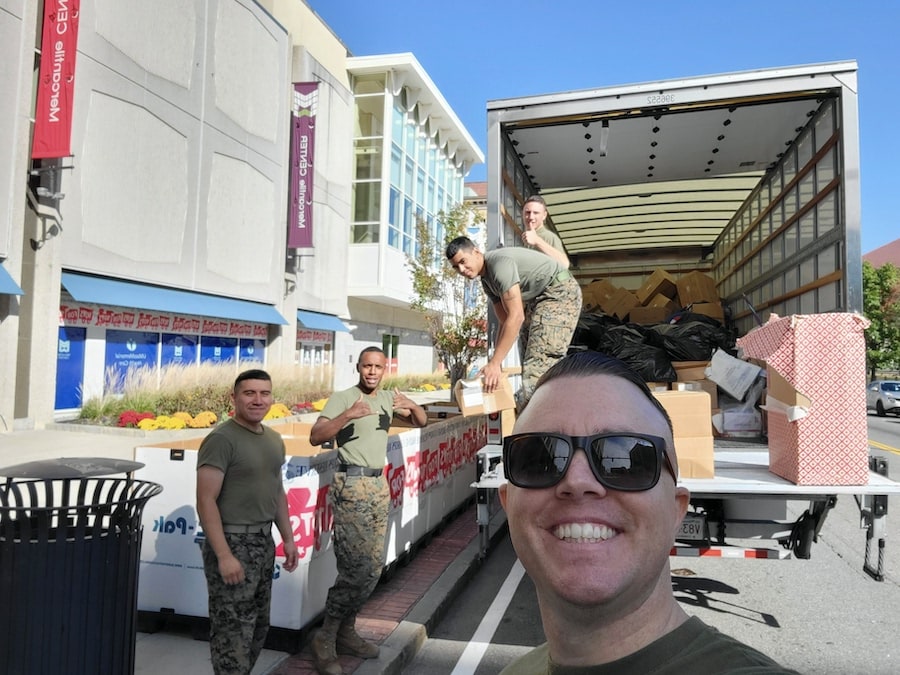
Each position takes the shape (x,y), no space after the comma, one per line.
(303,144)
(56,80)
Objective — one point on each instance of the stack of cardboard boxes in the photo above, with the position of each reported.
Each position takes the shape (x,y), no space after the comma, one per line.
(660,296)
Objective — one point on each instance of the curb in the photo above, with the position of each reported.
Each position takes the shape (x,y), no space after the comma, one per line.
(402,645)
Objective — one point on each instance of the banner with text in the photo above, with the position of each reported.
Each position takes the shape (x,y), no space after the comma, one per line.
(56,80)
(304,105)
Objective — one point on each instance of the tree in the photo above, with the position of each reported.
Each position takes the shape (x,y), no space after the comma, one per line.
(454,308)
(881,306)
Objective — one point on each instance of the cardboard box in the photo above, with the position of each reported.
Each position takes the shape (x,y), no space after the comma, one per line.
(622,304)
(659,282)
(708,386)
(695,287)
(695,456)
(647,315)
(661,301)
(820,358)
(692,429)
(711,309)
(734,376)
(690,370)
(597,292)
(472,400)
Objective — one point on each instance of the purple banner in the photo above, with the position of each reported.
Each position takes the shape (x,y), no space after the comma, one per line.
(303,142)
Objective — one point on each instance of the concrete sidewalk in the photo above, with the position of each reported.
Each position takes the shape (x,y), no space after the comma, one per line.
(399,615)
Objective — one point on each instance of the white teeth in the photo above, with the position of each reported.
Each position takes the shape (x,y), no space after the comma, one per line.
(583,532)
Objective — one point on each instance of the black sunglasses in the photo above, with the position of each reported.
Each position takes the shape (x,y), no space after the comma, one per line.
(627,462)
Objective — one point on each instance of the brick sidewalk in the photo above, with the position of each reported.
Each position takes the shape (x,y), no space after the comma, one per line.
(396,595)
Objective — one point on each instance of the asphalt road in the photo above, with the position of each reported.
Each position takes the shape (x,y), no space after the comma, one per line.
(822,616)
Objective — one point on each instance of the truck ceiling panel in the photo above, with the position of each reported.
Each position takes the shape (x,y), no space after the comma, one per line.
(693,166)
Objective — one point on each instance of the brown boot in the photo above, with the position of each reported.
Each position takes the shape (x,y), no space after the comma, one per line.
(322,646)
(349,641)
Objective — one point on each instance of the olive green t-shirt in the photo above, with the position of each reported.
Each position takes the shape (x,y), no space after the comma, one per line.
(363,441)
(550,237)
(693,647)
(506,267)
(252,465)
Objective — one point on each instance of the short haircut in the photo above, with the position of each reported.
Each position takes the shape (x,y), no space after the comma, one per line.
(588,363)
(370,349)
(459,244)
(537,199)
(252,374)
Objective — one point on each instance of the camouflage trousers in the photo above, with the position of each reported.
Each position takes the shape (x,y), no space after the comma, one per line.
(239,614)
(550,322)
(360,505)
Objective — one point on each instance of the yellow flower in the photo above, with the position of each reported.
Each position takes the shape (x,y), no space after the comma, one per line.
(277,411)
(148,424)
(167,422)
(203,419)
(428,387)
(184,416)
(320,404)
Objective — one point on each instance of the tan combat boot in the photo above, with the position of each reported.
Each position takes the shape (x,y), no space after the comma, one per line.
(349,641)
(322,646)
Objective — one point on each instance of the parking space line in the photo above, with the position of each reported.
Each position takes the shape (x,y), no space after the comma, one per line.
(481,640)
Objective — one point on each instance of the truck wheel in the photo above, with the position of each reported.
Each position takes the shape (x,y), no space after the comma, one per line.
(879,409)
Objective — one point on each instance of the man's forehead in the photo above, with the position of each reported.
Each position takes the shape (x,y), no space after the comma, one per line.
(591,404)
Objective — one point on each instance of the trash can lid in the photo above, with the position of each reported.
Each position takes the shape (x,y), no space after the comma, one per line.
(70,467)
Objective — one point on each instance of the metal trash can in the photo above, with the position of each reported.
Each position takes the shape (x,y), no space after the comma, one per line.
(70,546)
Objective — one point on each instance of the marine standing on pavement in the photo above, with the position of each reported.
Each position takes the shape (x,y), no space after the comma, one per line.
(239,495)
(538,236)
(536,300)
(358,419)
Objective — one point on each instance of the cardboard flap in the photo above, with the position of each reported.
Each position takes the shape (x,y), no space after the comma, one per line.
(792,412)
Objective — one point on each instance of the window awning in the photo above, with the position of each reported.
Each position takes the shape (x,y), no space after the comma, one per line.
(7,285)
(103,291)
(317,321)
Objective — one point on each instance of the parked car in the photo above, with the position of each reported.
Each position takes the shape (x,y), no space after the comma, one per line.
(883,396)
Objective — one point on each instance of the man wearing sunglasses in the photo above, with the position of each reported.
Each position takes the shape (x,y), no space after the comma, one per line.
(593,506)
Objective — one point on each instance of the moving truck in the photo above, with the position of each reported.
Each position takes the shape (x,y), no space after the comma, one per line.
(750,178)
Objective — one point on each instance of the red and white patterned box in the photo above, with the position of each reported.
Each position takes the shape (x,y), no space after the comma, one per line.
(823,356)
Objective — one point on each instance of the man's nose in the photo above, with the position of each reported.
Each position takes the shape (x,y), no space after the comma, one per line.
(579,478)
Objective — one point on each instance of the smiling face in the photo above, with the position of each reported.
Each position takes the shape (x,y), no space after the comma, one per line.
(533,215)
(252,400)
(581,543)
(371,370)
(468,262)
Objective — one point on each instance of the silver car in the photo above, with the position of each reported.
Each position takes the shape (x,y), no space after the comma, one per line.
(883,396)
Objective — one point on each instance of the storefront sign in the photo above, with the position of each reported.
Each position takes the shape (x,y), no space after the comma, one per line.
(56,80)
(322,336)
(85,314)
(303,142)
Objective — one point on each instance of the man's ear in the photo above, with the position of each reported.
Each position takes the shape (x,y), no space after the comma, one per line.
(682,501)
(501,491)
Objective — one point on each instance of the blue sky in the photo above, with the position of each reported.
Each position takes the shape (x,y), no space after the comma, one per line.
(480,50)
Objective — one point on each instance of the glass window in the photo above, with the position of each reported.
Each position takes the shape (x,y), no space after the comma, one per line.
(369,116)
(366,201)
(368,158)
(409,177)
(420,187)
(396,166)
(409,137)
(397,124)
(365,233)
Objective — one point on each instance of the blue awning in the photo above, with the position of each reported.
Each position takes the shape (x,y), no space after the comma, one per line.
(140,296)
(7,285)
(316,321)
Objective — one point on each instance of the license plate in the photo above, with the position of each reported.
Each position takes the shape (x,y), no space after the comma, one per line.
(693,528)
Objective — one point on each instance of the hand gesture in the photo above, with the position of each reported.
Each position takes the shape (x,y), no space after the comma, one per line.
(360,408)
(530,238)
(402,401)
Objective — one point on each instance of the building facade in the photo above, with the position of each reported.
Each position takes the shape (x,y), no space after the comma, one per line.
(164,235)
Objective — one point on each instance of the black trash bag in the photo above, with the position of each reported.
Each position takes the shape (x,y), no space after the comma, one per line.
(694,338)
(592,328)
(633,344)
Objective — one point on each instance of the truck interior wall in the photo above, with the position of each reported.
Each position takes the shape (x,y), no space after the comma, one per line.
(783,251)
